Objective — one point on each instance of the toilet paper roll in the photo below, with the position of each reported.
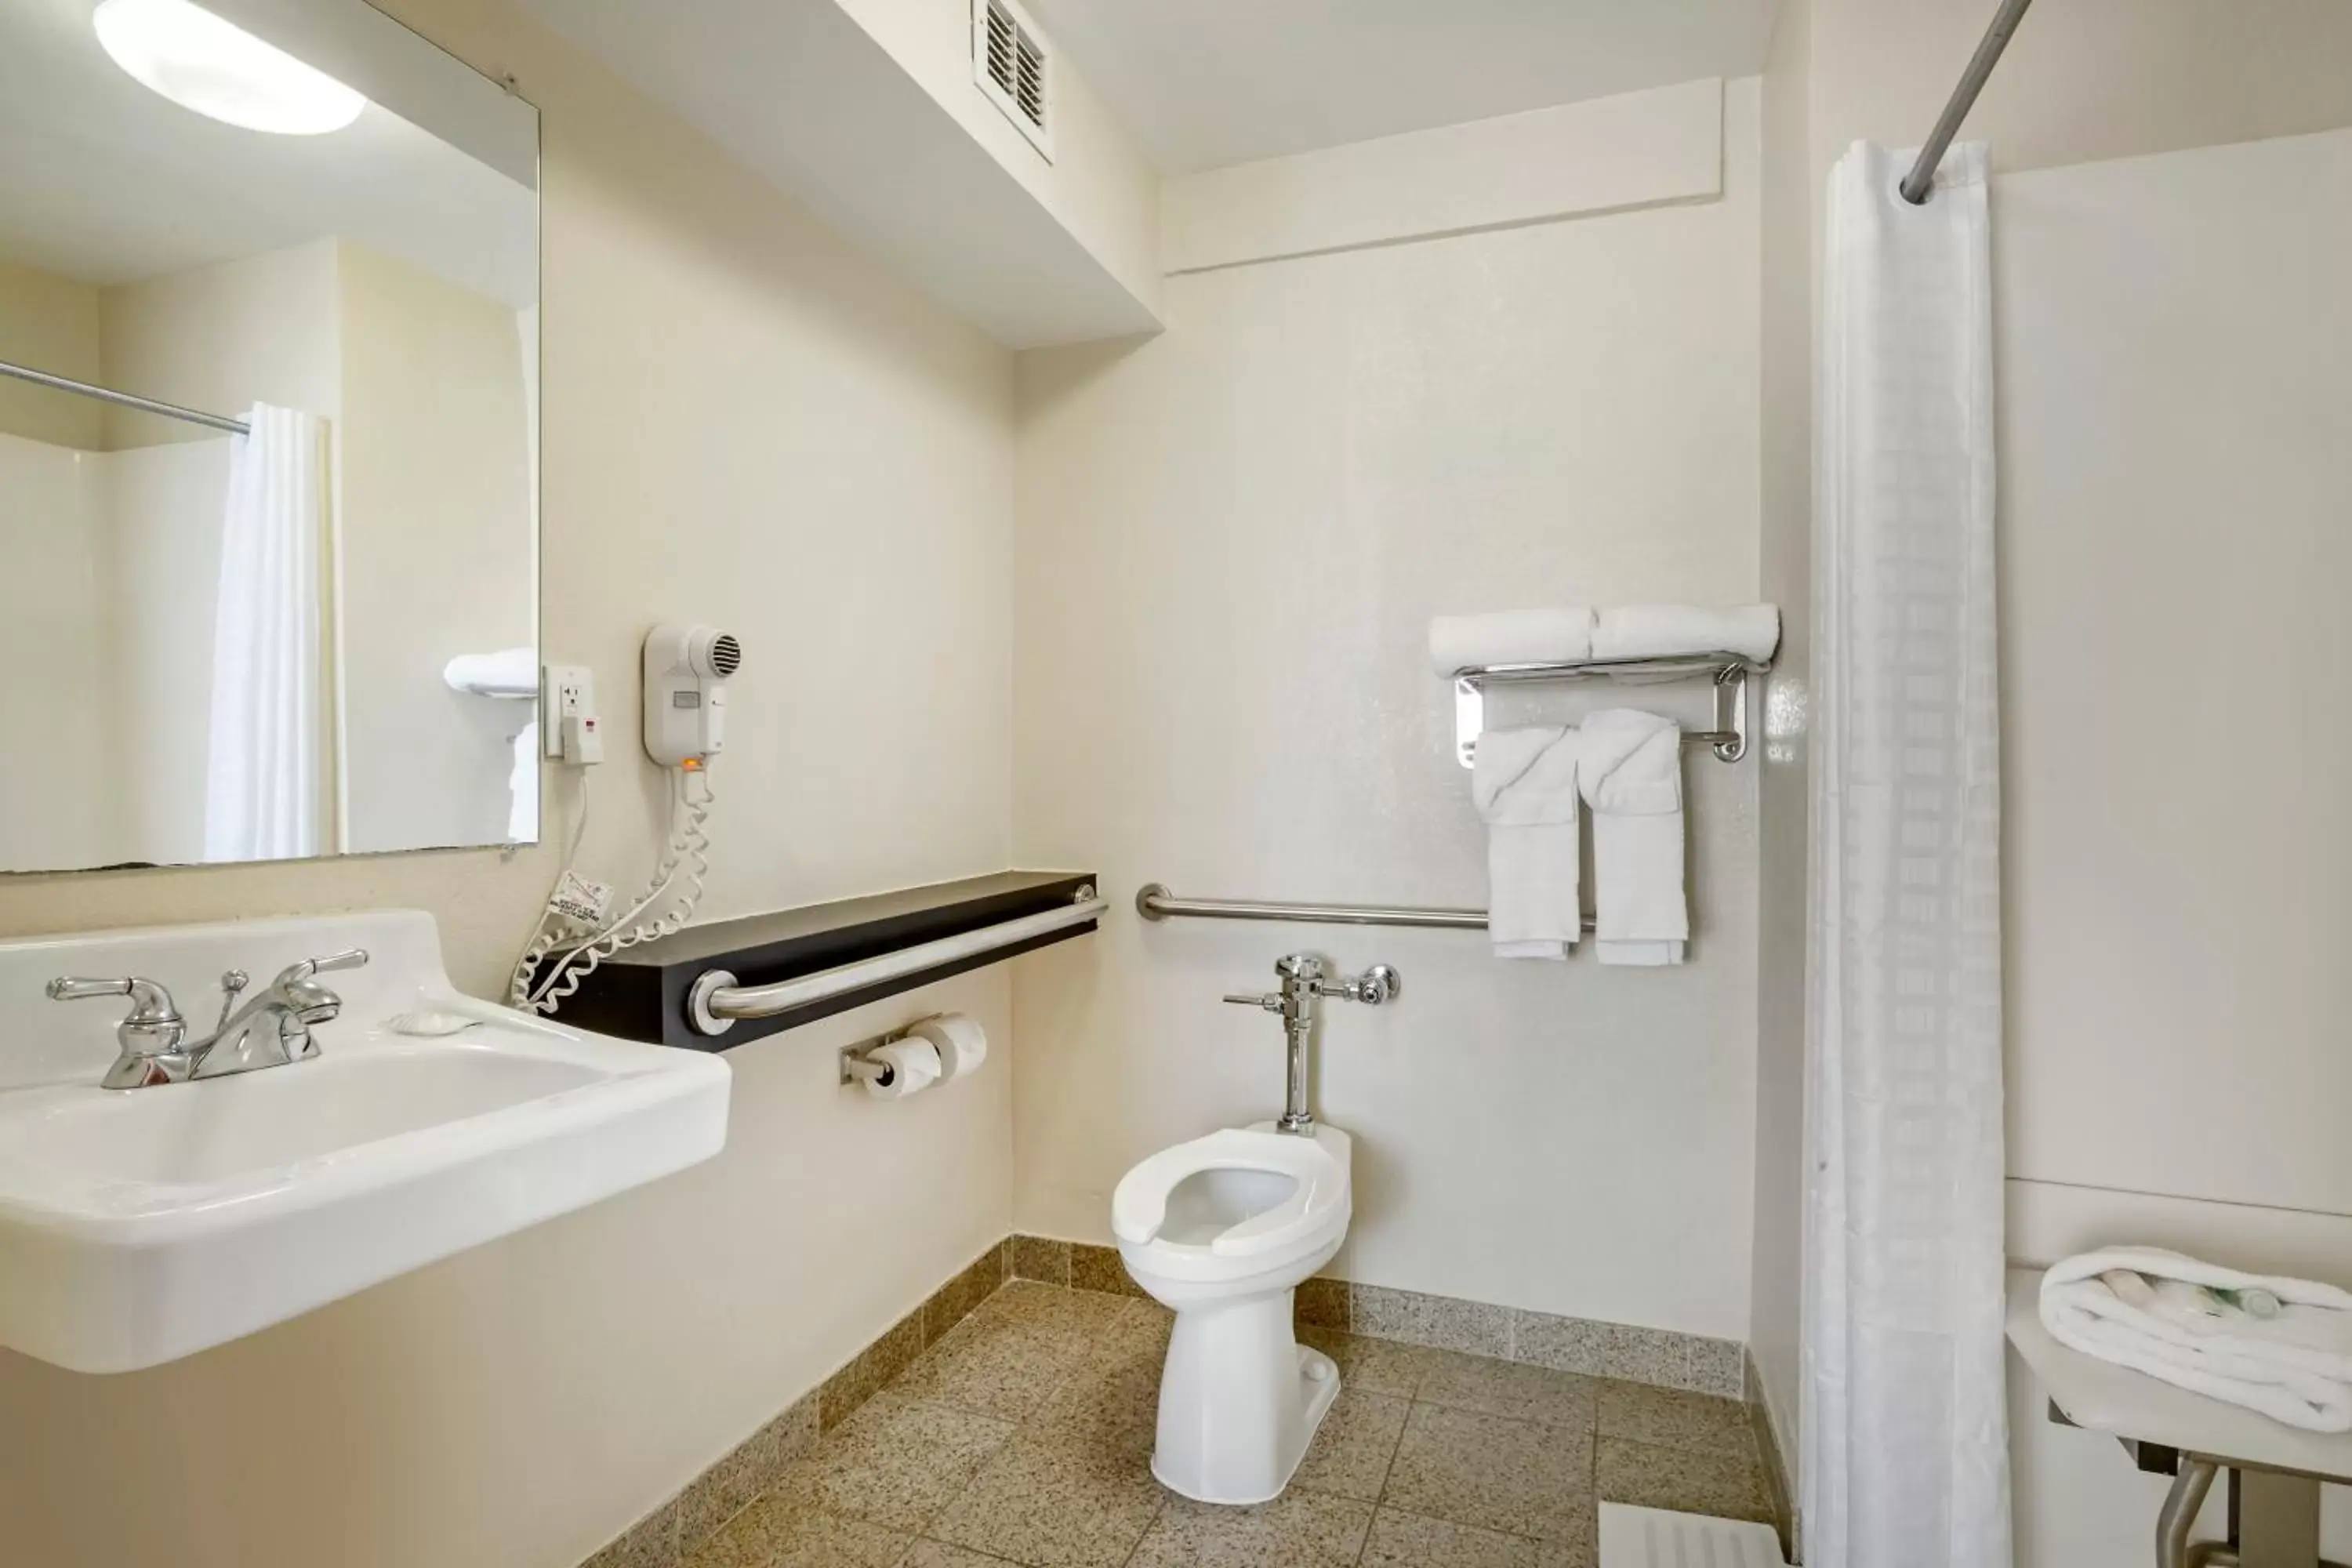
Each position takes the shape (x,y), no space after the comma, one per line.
(962,1043)
(914,1067)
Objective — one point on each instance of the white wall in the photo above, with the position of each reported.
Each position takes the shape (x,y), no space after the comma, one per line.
(2176,427)
(434,551)
(749,421)
(164,512)
(1612,155)
(56,794)
(49,323)
(2176,439)
(2091,78)
(112,650)
(260,329)
(1232,538)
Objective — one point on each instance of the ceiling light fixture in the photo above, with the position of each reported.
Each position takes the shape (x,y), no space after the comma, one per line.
(202,62)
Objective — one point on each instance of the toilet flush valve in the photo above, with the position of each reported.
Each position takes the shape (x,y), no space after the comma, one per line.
(1304,978)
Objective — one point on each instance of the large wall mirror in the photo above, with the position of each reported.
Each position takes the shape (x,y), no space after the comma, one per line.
(269,436)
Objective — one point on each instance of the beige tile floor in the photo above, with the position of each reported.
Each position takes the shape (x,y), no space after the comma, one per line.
(1024,1436)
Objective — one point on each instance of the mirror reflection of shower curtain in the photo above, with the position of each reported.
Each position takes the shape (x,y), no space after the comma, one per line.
(264,780)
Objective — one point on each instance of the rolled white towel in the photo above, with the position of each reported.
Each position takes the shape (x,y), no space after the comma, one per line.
(1559,636)
(510,673)
(2295,1367)
(1660,631)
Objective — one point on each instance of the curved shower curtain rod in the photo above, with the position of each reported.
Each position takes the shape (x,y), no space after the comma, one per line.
(1922,177)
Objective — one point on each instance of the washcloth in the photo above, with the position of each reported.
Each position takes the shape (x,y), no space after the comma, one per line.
(1510,637)
(1658,631)
(2295,1367)
(1524,782)
(1631,773)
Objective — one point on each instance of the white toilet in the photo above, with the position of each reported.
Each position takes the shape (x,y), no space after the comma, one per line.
(1222,1230)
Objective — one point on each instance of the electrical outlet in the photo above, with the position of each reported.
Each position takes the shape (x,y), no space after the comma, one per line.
(566,692)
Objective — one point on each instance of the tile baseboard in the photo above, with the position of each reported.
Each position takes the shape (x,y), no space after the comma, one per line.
(1036,1257)
(1627,1352)
(674,1532)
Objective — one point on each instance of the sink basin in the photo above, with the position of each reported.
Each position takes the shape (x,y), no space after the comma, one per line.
(139,1226)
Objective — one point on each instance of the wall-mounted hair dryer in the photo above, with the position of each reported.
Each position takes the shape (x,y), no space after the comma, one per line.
(686,668)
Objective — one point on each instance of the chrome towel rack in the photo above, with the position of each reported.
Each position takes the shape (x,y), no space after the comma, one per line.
(1153,901)
(1729,671)
(716,1001)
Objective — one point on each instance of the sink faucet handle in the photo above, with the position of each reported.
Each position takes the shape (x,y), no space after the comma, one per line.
(148,1037)
(149,1002)
(350,958)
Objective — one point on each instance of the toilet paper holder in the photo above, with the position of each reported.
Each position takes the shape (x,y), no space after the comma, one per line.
(857,1067)
(857,1063)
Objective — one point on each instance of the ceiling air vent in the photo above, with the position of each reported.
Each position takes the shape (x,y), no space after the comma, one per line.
(1012,65)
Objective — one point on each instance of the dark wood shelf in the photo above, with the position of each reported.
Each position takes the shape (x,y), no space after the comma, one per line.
(640,995)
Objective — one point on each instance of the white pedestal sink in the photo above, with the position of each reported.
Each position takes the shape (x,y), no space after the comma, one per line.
(139,1225)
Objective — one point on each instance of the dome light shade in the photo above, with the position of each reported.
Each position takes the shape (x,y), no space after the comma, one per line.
(202,62)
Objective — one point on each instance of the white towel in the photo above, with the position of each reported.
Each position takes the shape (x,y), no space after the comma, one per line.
(1631,772)
(523,786)
(1524,782)
(1658,631)
(2295,1367)
(1510,637)
(511,673)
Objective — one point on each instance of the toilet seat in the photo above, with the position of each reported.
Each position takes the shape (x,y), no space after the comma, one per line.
(1319,1196)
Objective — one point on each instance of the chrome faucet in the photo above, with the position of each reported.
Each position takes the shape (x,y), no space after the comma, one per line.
(270,1030)
(1304,978)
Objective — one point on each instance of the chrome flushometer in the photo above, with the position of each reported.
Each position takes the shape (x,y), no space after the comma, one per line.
(1303,978)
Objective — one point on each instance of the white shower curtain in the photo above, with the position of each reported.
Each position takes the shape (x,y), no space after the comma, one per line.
(264,775)
(1905,1427)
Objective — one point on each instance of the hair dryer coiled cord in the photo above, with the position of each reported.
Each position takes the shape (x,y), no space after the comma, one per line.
(687,852)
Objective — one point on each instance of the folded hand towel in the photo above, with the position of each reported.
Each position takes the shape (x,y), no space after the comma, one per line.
(1510,637)
(2295,1367)
(1524,782)
(1658,631)
(1631,772)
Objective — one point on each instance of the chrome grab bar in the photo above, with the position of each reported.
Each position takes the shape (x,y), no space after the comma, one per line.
(716,1001)
(1153,901)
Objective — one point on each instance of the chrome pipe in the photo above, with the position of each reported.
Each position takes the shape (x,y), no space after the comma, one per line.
(716,1001)
(124,399)
(1921,180)
(2179,1515)
(1153,901)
